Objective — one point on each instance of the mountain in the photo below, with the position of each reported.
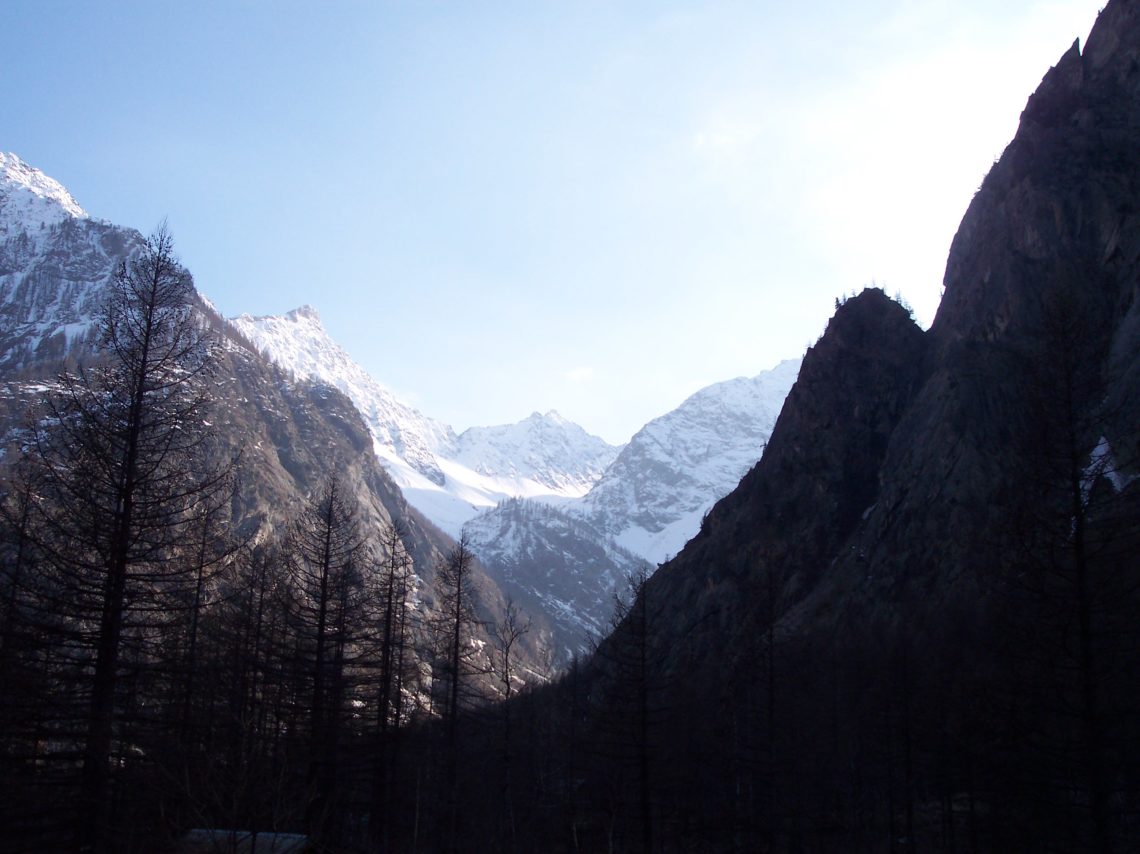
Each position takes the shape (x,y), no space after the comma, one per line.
(547,450)
(56,264)
(575,557)
(653,496)
(405,440)
(30,201)
(555,563)
(912,624)
(449,478)
(612,512)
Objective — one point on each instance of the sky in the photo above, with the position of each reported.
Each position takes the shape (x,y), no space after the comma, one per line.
(506,207)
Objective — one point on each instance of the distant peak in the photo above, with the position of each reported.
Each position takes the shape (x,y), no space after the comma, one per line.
(17,178)
(549,415)
(304,312)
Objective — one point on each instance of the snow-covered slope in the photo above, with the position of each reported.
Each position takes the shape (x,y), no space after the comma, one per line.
(676,467)
(556,563)
(406,440)
(543,449)
(448,478)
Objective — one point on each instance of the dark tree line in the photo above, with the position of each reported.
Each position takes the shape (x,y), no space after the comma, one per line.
(114,487)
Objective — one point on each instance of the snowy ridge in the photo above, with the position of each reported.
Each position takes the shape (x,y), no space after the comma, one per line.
(405,439)
(546,449)
(448,478)
(30,201)
(652,499)
(571,559)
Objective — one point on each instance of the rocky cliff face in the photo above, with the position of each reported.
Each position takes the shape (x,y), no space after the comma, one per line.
(816,483)
(895,447)
(1057,214)
(51,287)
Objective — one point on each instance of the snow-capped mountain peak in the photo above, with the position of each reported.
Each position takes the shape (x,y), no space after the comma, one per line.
(30,200)
(405,440)
(304,312)
(298,341)
(547,449)
(55,262)
(551,415)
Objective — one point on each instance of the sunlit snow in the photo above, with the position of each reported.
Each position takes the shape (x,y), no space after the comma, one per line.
(449,478)
(31,200)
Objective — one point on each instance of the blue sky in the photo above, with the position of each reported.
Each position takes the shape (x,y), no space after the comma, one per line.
(497,208)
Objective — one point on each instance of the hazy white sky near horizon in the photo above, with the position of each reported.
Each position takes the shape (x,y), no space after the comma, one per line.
(594,207)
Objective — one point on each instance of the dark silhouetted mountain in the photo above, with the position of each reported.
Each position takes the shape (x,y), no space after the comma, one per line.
(912,626)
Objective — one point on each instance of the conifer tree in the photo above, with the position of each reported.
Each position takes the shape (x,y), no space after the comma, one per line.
(327,605)
(121,463)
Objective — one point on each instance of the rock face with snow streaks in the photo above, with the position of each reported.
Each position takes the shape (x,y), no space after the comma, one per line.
(54,264)
(555,563)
